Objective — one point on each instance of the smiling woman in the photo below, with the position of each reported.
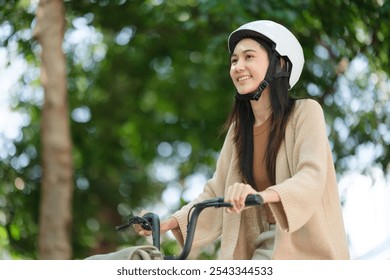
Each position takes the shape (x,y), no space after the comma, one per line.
(277,147)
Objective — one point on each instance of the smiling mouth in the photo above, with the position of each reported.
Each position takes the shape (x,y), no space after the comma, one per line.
(243,78)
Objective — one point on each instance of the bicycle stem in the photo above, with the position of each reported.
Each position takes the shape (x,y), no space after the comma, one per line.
(154,221)
(190,233)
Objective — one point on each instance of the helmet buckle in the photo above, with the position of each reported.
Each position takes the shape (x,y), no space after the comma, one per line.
(263,85)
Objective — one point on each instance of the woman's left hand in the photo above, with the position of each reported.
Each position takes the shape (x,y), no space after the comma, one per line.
(236,195)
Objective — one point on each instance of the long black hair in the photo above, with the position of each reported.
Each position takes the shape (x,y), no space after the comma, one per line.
(242,119)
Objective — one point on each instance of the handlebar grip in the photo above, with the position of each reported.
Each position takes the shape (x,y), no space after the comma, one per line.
(254,200)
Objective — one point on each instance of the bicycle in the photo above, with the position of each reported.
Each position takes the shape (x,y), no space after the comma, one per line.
(151,221)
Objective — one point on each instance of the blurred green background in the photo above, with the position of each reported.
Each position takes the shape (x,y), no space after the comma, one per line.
(148,93)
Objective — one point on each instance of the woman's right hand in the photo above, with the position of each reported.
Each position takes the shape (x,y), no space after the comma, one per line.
(236,195)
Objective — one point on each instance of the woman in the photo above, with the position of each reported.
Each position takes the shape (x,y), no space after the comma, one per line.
(276,147)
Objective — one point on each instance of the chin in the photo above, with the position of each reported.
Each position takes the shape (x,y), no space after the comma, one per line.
(245,92)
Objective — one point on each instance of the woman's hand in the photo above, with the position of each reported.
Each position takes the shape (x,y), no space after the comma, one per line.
(236,195)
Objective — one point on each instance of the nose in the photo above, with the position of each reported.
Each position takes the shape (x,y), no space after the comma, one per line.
(239,66)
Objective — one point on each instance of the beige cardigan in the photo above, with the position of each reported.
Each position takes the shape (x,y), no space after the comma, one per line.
(309,216)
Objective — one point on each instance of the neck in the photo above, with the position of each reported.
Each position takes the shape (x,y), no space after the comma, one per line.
(262,108)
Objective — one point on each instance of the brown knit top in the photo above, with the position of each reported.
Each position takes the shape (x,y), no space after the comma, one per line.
(262,181)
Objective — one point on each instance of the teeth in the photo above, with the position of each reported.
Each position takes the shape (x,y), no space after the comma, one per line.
(243,78)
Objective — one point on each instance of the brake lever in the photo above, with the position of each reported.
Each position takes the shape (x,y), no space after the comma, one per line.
(135,220)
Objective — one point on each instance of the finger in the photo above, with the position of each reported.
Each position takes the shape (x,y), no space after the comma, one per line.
(242,201)
(231,197)
(145,233)
(237,205)
(137,228)
(236,195)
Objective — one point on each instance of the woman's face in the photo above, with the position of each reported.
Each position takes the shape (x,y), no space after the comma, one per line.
(248,65)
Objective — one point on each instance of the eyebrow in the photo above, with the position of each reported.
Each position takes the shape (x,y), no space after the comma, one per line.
(245,51)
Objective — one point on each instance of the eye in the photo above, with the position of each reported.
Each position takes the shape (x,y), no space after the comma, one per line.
(249,56)
(233,61)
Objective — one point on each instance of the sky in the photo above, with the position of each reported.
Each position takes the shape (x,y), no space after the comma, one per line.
(10,121)
(367,214)
(8,77)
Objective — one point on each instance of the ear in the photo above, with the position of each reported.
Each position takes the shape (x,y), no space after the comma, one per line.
(280,66)
(283,65)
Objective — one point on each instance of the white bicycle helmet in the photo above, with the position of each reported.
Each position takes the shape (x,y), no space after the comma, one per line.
(286,44)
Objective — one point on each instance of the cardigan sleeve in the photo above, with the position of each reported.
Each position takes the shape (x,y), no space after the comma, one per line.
(209,225)
(307,149)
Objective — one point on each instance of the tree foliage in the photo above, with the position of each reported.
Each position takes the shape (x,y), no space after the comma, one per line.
(149,90)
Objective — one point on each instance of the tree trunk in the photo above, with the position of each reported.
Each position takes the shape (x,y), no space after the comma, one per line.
(57,181)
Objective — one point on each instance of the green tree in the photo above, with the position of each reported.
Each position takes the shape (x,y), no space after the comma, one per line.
(149,91)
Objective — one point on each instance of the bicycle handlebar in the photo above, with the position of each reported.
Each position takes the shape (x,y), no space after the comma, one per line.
(251,200)
(151,221)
